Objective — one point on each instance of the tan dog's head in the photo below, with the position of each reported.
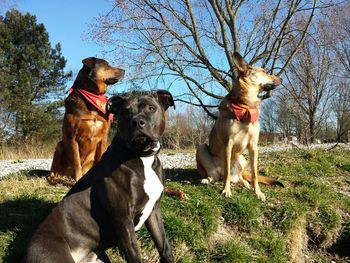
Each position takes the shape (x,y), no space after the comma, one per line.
(251,81)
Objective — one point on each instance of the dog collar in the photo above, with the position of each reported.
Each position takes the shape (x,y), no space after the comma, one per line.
(98,101)
(243,112)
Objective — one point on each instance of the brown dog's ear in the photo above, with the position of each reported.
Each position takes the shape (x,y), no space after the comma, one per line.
(113,105)
(165,99)
(240,63)
(89,62)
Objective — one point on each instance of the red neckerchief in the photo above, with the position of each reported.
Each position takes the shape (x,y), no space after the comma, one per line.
(244,112)
(98,101)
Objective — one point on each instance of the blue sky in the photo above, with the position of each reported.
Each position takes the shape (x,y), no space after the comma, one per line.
(67,22)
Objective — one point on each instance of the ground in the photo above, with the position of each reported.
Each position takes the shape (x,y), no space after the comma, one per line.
(306,221)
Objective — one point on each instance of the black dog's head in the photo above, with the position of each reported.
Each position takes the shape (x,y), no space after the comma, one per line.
(96,74)
(141,119)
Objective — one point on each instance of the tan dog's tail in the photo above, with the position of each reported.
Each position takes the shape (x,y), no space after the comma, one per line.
(262,179)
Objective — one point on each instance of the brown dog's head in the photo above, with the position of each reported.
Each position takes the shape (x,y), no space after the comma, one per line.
(96,74)
(251,81)
(141,119)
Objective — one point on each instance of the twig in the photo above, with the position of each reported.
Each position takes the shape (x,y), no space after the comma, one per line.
(195,104)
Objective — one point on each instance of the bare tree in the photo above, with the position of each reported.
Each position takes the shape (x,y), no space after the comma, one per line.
(341,107)
(286,118)
(310,83)
(187,129)
(339,36)
(190,43)
(268,118)
(338,29)
(316,98)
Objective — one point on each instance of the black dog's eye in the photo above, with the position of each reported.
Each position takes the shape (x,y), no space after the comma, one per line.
(151,108)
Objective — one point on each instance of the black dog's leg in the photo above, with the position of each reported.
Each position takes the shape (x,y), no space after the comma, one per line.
(97,257)
(155,226)
(128,242)
(102,257)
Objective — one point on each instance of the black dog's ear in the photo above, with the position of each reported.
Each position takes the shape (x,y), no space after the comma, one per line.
(114,105)
(165,99)
(89,62)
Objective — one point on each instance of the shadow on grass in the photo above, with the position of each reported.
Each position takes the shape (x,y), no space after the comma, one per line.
(176,175)
(18,220)
(38,173)
(189,175)
(341,246)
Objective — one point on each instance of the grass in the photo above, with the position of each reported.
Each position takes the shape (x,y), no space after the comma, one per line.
(307,221)
(26,151)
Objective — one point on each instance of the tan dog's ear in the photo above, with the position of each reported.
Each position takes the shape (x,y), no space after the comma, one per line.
(240,63)
(165,99)
(89,62)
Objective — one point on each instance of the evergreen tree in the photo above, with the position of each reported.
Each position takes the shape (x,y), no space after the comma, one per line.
(32,79)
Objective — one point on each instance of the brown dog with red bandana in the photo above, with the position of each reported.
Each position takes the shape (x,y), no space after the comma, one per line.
(85,126)
(237,129)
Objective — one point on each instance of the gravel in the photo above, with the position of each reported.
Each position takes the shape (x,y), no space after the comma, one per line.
(10,166)
(169,161)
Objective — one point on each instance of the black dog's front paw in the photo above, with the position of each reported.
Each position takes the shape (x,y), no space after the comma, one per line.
(167,258)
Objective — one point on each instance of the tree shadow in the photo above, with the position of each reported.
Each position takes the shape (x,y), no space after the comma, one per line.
(18,220)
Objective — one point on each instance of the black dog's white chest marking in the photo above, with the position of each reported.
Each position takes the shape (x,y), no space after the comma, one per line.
(152,187)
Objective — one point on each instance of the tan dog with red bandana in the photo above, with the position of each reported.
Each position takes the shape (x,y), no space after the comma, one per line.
(237,129)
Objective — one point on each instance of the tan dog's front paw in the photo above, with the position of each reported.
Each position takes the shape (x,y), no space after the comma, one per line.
(260,195)
(227,192)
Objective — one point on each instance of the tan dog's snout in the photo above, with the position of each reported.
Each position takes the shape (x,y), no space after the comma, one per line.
(276,81)
(119,73)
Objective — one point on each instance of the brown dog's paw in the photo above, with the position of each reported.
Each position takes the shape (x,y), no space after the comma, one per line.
(54,179)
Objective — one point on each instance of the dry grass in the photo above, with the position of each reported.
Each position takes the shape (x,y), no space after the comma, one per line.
(40,151)
(297,240)
(26,151)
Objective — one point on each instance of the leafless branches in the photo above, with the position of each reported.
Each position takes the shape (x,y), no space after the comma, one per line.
(195,40)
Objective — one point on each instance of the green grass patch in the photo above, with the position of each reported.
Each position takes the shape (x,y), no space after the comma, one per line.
(307,220)
(233,249)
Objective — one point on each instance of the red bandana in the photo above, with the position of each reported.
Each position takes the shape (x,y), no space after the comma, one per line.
(98,101)
(244,112)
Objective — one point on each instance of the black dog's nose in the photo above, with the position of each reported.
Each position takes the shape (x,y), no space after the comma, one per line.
(142,123)
(139,122)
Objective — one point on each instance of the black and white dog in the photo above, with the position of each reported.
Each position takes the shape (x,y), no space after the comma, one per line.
(117,196)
